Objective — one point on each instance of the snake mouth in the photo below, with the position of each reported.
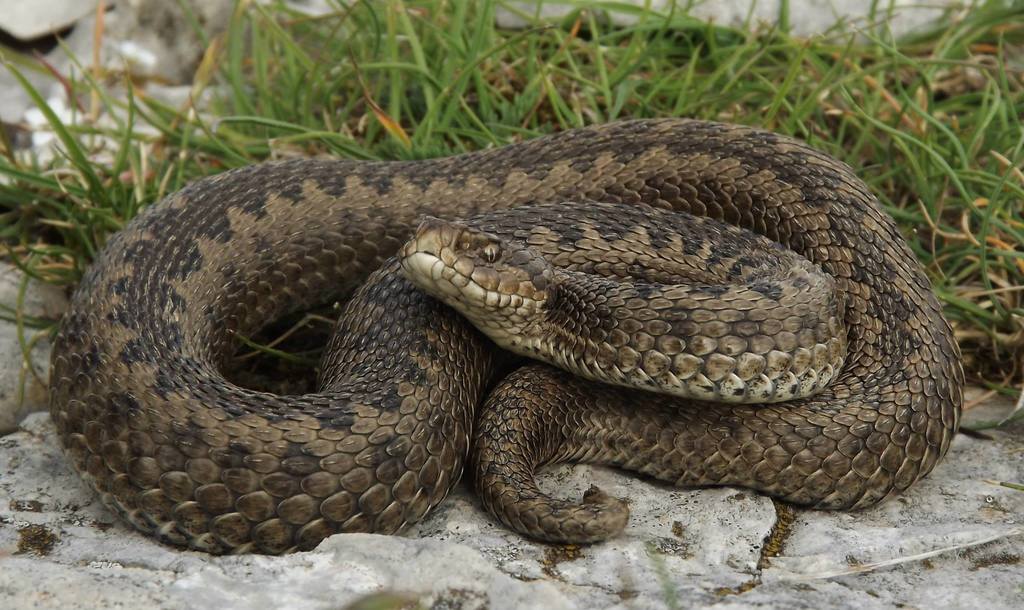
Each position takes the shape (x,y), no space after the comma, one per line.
(431,275)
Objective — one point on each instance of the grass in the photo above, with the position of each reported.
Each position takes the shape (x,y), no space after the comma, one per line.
(932,122)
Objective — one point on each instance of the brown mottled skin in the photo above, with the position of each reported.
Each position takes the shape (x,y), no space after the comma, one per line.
(194,460)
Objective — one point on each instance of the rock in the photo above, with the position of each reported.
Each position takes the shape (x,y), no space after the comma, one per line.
(806,17)
(727,548)
(955,511)
(29,19)
(158,38)
(14,101)
(21,392)
(154,39)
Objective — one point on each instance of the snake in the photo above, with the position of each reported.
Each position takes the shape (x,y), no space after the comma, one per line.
(659,316)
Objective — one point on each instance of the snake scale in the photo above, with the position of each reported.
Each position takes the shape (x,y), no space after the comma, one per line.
(146,417)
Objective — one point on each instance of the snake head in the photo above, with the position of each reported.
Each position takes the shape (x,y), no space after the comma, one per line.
(500,286)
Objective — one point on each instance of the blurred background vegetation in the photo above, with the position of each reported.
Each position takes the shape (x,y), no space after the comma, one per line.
(932,122)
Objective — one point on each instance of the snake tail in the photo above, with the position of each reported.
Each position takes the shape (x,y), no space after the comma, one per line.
(560,418)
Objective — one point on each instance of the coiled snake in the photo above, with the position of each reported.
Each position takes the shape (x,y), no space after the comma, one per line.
(182,454)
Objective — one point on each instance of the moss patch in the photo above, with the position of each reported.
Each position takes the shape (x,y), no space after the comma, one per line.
(36,540)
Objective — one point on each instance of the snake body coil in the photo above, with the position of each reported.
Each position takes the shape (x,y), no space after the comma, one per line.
(182,454)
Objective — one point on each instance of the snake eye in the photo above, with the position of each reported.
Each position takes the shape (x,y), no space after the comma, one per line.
(491,252)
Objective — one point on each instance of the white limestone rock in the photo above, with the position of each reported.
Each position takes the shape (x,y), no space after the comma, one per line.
(60,548)
(31,19)
(154,40)
(157,38)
